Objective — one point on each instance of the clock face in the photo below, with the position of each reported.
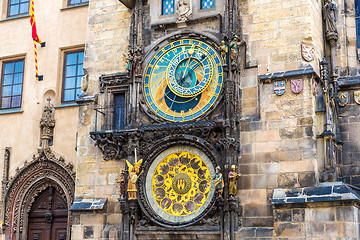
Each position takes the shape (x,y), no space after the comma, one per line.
(179,184)
(183,80)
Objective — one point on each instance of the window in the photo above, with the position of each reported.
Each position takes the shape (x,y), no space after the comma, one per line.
(18,7)
(205,4)
(11,84)
(357,18)
(73,72)
(76,2)
(168,7)
(119,111)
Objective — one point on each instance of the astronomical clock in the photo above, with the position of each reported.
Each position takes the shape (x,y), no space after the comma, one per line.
(180,100)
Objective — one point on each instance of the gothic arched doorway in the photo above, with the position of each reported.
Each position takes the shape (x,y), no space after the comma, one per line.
(48,216)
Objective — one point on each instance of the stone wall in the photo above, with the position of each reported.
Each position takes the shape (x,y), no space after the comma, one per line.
(349,118)
(107,42)
(278,150)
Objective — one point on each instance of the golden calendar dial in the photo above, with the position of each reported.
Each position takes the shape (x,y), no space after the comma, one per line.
(179,185)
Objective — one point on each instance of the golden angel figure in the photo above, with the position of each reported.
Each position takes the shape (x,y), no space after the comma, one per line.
(133,177)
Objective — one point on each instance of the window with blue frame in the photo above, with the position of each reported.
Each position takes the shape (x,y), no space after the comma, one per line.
(357,19)
(206,4)
(73,72)
(168,7)
(11,84)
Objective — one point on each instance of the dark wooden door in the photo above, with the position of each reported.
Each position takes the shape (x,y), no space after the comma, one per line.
(48,216)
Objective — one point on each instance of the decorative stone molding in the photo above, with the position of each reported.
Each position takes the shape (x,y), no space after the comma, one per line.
(112,80)
(45,170)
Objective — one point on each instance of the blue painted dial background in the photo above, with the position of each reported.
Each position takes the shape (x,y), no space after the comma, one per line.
(167,104)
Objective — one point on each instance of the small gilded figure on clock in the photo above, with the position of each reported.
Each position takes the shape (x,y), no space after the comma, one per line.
(233,177)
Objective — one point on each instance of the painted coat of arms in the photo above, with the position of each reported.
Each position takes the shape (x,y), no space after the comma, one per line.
(308,52)
(297,85)
(357,96)
(279,87)
(343,99)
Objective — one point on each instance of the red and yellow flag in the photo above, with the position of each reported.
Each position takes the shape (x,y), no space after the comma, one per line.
(33,24)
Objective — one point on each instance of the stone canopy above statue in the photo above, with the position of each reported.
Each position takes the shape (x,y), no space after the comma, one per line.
(128,3)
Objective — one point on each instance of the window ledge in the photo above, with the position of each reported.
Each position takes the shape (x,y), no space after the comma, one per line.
(16,17)
(74,6)
(67,105)
(8,111)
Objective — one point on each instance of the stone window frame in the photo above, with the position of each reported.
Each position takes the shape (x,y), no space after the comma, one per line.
(109,104)
(20,2)
(64,54)
(12,60)
(158,19)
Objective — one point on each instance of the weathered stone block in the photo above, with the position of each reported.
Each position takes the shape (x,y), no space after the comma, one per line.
(315,229)
(287,180)
(289,230)
(282,215)
(325,214)
(298,215)
(307,179)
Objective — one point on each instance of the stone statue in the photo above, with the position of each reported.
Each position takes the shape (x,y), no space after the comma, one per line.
(330,16)
(47,122)
(184,10)
(233,177)
(223,52)
(218,181)
(234,49)
(132,179)
(122,184)
(137,63)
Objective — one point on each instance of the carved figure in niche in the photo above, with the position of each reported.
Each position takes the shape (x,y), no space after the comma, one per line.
(233,177)
(183,10)
(223,52)
(330,16)
(234,49)
(132,179)
(218,181)
(137,63)
(46,124)
(129,59)
(122,184)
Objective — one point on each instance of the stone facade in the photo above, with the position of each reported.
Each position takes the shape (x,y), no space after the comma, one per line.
(287,117)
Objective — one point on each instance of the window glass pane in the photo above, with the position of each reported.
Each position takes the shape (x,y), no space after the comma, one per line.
(14,1)
(22,1)
(69,82)
(24,8)
(74,1)
(78,82)
(5,102)
(70,71)
(16,90)
(80,57)
(167,7)
(6,91)
(78,93)
(205,4)
(69,95)
(19,66)
(358,32)
(14,10)
(16,101)
(71,58)
(80,70)
(8,68)
(7,80)
(18,78)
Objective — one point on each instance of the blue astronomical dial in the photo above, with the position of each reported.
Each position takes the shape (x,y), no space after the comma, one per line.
(183,80)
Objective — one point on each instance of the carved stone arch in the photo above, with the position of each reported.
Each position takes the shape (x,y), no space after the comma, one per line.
(45,170)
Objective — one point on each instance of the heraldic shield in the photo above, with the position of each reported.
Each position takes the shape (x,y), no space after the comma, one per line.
(279,87)
(297,85)
(343,99)
(357,96)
